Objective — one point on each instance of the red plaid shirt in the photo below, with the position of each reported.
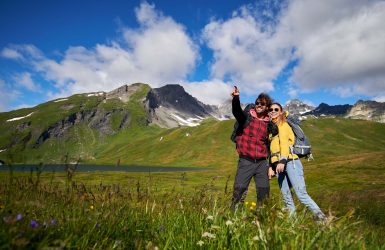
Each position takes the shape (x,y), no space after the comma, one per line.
(252,143)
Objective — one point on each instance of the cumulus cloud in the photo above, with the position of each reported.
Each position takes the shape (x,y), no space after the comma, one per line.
(11,54)
(159,51)
(211,92)
(245,52)
(21,52)
(7,96)
(340,45)
(25,80)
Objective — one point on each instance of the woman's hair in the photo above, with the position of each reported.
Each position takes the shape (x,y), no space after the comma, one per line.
(282,116)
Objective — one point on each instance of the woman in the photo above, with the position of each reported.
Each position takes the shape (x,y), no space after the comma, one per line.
(287,165)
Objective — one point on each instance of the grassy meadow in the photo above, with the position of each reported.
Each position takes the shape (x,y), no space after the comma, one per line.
(190,210)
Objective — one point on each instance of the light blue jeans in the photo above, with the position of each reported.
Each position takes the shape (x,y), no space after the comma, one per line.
(293,177)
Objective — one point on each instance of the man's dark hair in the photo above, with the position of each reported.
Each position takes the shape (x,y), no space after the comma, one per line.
(265,98)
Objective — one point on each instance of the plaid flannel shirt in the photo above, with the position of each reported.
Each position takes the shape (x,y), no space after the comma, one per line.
(252,143)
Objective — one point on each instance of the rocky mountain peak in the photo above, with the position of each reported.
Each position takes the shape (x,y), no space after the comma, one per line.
(175,97)
(172,106)
(124,92)
(297,107)
(367,110)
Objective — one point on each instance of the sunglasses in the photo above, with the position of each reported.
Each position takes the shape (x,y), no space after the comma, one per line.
(260,104)
(276,110)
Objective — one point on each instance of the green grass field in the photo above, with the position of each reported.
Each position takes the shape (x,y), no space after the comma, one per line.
(191,210)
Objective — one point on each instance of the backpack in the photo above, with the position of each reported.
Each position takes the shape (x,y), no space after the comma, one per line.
(237,129)
(301,146)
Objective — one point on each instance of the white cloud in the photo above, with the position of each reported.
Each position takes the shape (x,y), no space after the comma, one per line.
(11,54)
(25,80)
(7,95)
(209,92)
(159,51)
(21,52)
(340,45)
(244,52)
(379,98)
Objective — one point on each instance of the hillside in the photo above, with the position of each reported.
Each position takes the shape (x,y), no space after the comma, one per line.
(132,142)
(76,125)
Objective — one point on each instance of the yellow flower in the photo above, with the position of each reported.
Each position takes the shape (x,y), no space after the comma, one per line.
(246,203)
(92,207)
(253,204)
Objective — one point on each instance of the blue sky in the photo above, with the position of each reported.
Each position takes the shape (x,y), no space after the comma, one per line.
(330,51)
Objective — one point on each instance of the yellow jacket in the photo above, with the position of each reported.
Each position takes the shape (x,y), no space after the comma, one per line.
(281,143)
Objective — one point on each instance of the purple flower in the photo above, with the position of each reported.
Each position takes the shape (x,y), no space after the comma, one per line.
(19,217)
(34,224)
(97,225)
(54,222)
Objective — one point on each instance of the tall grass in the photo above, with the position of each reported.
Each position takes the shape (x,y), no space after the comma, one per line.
(56,212)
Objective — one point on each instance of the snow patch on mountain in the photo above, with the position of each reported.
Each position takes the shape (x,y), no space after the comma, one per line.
(19,118)
(61,100)
(191,122)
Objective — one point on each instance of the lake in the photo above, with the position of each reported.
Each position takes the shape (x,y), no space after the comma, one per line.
(101,168)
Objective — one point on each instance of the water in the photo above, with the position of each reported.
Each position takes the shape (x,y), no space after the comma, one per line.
(96,168)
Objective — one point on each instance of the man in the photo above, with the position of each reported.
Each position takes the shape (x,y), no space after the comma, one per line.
(252,147)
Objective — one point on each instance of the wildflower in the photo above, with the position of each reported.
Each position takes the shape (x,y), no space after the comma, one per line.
(97,225)
(92,207)
(229,223)
(34,224)
(53,222)
(256,238)
(200,243)
(19,217)
(208,235)
(254,204)
(246,203)
(210,217)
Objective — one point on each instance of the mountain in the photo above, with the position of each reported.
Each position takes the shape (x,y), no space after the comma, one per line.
(97,124)
(85,123)
(77,124)
(326,110)
(171,106)
(297,107)
(367,110)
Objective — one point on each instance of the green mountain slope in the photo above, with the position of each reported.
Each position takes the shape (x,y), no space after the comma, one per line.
(95,130)
(77,126)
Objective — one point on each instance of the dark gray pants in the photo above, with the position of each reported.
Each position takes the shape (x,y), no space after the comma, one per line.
(245,171)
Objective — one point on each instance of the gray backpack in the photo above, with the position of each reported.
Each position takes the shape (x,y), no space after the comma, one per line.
(301,146)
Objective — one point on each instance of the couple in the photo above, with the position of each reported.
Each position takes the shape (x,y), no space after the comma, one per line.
(263,131)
